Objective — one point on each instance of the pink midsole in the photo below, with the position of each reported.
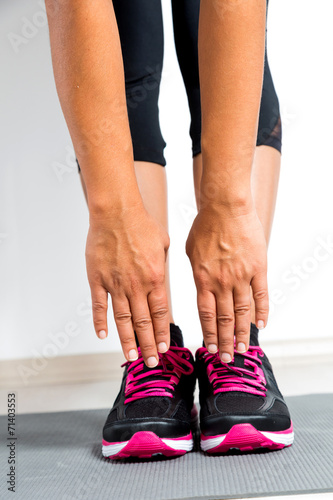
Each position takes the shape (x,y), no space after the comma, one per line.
(146,443)
(244,436)
(106,443)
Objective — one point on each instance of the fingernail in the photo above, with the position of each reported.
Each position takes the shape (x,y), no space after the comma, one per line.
(261,324)
(212,348)
(152,362)
(132,355)
(162,347)
(241,348)
(102,334)
(225,357)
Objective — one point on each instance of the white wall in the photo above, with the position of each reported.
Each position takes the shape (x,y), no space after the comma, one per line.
(43,218)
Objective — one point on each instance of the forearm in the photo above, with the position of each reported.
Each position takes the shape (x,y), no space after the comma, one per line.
(89,76)
(231,59)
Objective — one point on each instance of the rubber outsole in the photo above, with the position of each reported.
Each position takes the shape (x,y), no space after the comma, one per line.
(145,444)
(245,437)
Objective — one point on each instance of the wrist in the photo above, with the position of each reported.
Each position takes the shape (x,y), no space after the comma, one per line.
(226,178)
(111,207)
(233,199)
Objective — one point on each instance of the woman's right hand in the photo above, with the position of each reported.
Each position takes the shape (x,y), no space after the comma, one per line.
(125,256)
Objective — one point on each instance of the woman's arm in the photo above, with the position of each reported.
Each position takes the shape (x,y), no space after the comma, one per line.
(226,244)
(126,249)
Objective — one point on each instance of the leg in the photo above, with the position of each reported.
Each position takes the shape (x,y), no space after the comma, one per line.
(186,24)
(265,180)
(153,188)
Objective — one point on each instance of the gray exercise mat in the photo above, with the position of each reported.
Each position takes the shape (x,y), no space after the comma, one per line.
(59,457)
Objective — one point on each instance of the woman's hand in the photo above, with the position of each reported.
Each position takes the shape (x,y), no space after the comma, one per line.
(125,257)
(227,250)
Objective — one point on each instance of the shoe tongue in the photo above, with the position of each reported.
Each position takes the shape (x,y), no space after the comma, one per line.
(176,336)
(254,340)
(238,361)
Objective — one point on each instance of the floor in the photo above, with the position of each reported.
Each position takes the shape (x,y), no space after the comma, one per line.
(295,377)
(318,496)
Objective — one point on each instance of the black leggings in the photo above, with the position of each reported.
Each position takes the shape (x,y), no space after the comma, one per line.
(140,27)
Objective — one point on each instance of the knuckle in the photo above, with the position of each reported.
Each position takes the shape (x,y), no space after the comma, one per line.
(225,319)
(127,341)
(159,313)
(99,307)
(242,333)
(242,309)
(142,323)
(116,279)
(260,294)
(201,279)
(239,274)
(262,310)
(188,248)
(123,317)
(210,335)
(135,285)
(207,316)
(156,278)
(225,342)
(99,322)
(162,335)
(147,346)
(167,242)
(223,281)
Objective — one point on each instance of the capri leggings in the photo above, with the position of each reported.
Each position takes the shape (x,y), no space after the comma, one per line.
(140,27)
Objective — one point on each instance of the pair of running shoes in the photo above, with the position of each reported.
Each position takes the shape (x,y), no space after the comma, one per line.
(241,406)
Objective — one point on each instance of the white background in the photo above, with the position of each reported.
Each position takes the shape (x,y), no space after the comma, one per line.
(43,217)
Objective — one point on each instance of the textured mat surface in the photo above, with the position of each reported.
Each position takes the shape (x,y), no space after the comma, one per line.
(59,457)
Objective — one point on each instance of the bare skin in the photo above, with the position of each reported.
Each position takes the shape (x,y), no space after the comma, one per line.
(88,69)
(265,181)
(152,184)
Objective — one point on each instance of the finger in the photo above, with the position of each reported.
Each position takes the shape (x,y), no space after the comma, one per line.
(207,314)
(260,297)
(242,310)
(123,318)
(99,298)
(143,327)
(226,325)
(159,312)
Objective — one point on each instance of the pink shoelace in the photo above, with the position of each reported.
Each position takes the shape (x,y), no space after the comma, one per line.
(143,382)
(227,377)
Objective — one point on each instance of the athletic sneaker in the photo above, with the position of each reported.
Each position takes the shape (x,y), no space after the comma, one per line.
(153,412)
(241,405)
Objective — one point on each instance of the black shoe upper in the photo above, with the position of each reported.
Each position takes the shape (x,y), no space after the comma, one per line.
(243,391)
(158,400)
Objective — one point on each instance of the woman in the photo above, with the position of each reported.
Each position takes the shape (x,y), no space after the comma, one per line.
(127,243)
